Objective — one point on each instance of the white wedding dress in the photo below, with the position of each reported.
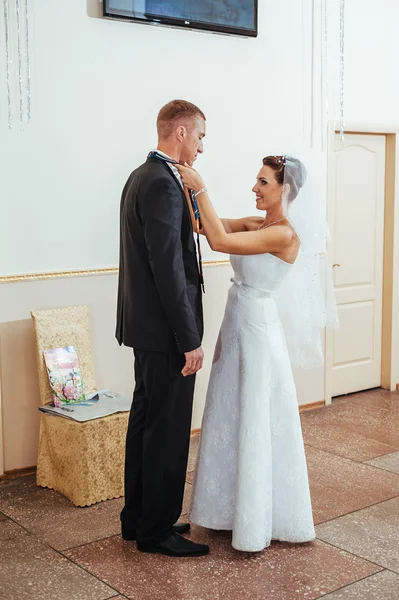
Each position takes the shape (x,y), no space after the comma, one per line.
(251,474)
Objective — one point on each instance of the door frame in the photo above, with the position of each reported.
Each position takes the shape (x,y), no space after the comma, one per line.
(390,299)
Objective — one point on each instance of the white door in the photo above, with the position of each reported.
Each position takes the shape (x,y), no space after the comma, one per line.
(356,218)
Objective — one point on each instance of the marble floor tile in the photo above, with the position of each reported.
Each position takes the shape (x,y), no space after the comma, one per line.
(281,572)
(352,451)
(382,586)
(377,423)
(30,570)
(388,462)
(38,509)
(351,430)
(372,533)
(333,437)
(339,486)
(377,398)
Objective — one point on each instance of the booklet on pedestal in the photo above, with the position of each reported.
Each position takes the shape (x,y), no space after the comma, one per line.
(97,405)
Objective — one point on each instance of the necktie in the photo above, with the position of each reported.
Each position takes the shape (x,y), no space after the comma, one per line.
(194,204)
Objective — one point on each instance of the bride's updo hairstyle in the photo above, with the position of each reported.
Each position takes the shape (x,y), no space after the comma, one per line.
(287,169)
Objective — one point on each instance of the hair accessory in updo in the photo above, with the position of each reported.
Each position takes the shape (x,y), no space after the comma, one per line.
(280,160)
(289,170)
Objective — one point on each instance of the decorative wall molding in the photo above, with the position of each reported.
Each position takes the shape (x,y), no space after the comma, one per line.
(82,273)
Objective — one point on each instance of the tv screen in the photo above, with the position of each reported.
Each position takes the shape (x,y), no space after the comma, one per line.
(226,16)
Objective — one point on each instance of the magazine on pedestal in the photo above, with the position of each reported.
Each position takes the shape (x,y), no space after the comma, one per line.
(64,375)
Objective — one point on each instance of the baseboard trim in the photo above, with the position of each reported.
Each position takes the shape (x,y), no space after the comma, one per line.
(14,473)
(311,405)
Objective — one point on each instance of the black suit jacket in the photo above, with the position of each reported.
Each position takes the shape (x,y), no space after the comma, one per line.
(159,293)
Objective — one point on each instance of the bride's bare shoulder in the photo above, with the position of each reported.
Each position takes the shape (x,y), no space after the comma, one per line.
(243,224)
(252,223)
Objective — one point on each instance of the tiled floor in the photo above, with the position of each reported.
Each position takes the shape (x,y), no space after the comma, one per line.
(51,550)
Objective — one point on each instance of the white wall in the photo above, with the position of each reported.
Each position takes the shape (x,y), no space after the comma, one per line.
(96,88)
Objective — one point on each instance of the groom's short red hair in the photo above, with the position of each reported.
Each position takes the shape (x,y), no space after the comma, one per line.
(174,111)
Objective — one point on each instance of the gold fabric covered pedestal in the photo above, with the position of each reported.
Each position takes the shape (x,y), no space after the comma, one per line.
(83,461)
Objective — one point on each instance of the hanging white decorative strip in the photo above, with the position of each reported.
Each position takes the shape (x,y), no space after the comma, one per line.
(325,76)
(308,71)
(16,27)
(8,61)
(21,97)
(342,70)
(312,77)
(325,111)
(27,58)
(313,58)
(303,79)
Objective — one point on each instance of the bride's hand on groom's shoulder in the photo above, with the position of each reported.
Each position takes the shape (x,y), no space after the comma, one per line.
(191,179)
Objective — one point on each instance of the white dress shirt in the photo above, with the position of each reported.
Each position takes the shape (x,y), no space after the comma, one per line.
(171,167)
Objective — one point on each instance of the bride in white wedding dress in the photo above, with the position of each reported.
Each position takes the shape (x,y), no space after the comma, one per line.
(251,474)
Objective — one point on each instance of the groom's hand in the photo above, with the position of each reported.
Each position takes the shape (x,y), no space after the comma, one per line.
(194,362)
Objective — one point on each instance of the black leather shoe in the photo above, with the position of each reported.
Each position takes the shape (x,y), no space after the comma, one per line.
(129,535)
(175,545)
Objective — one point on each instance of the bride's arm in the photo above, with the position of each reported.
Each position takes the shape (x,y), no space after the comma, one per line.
(273,239)
(230,225)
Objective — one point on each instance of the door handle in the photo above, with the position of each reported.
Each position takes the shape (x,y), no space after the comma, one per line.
(336,265)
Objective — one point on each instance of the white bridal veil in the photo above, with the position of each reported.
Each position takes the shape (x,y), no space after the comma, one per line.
(306,300)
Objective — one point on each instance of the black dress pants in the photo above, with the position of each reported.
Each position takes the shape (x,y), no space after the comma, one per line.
(157,445)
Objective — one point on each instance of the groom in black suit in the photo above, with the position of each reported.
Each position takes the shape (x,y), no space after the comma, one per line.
(159,315)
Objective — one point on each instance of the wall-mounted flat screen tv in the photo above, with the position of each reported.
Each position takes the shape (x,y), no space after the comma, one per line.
(237,17)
